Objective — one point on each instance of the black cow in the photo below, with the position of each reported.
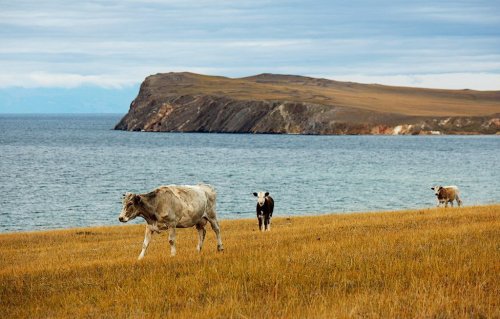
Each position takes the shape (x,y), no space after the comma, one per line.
(265,207)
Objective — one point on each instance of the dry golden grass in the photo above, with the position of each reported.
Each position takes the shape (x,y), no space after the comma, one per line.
(431,263)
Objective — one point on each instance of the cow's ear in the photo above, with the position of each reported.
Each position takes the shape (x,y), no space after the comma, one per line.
(255,194)
(137,199)
(267,194)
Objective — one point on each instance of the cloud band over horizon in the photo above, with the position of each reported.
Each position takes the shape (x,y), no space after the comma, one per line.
(116,44)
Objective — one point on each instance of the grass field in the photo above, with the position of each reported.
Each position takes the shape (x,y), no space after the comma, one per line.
(429,263)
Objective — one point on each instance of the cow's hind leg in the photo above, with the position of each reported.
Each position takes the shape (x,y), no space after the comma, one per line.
(201,234)
(267,223)
(171,241)
(216,228)
(145,244)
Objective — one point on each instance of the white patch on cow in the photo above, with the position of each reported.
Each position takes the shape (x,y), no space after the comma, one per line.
(436,189)
(261,198)
(123,215)
(145,244)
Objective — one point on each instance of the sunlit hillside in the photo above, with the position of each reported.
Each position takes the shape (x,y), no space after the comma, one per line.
(371,97)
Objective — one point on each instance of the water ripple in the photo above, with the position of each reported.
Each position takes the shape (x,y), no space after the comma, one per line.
(67,171)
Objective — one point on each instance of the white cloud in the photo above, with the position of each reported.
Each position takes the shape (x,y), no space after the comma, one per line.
(454,81)
(63,80)
(65,43)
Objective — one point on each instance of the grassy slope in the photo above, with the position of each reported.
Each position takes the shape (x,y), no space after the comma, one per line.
(400,100)
(421,263)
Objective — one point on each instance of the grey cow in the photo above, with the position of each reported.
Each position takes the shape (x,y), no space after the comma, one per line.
(170,207)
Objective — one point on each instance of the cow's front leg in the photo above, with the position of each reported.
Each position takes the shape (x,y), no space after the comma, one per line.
(145,244)
(171,241)
(261,222)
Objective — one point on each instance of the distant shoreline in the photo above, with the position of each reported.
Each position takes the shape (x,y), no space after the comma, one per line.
(121,115)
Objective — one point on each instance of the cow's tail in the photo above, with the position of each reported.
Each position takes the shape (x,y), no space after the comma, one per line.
(459,197)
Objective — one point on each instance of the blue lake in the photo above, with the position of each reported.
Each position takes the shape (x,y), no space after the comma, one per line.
(61,171)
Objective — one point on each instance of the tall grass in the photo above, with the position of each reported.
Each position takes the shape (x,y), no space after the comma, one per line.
(437,263)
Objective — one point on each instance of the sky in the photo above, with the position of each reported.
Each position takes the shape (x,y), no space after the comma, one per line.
(91,56)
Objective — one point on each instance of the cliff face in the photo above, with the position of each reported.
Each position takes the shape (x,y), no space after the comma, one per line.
(184,102)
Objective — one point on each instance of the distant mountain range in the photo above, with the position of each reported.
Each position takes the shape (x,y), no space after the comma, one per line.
(78,100)
(289,104)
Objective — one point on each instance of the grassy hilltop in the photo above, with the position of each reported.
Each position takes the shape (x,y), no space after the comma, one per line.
(438,263)
(290,104)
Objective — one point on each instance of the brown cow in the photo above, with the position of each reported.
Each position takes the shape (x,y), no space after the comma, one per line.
(447,194)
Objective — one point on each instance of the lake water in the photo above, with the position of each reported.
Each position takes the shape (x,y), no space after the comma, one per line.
(71,170)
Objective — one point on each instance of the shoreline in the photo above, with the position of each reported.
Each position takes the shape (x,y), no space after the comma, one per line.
(244,219)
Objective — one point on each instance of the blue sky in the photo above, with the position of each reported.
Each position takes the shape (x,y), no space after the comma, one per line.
(70,55)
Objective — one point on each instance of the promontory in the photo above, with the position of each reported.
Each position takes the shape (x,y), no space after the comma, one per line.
(289,104)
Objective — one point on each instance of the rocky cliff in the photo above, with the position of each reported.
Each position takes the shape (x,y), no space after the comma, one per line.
(186,102)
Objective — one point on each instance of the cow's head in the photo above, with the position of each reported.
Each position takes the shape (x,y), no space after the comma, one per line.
(436,190)
(130,209)
(261,197)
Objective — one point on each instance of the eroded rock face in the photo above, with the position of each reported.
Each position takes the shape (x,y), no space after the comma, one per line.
(163,106)
(221,114)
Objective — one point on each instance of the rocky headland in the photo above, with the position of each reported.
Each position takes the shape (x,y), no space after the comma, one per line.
(287,104)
